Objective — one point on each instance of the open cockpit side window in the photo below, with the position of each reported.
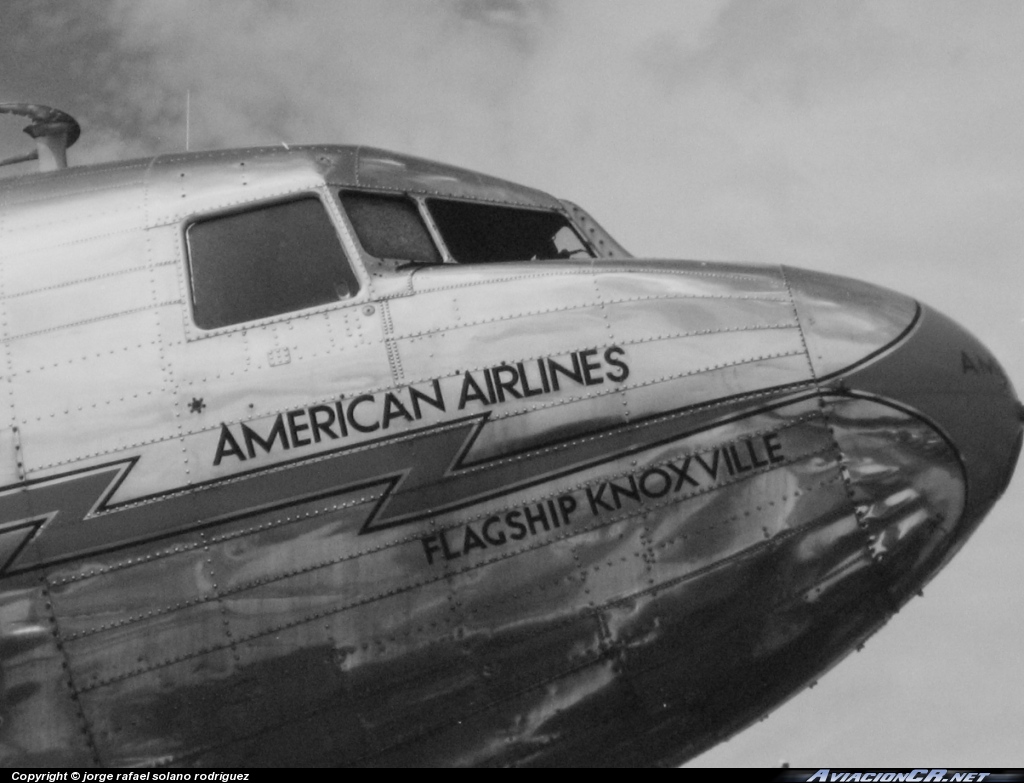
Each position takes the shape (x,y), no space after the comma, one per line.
(390,227)
(266,261)
(476,233)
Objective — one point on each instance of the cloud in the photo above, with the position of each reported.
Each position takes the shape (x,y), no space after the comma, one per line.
(464,79)
(261,72)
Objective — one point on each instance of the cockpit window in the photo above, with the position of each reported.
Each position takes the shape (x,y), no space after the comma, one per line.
(266,261)
(390,227)
(476,233)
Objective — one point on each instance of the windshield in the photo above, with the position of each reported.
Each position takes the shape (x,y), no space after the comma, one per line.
(476,233)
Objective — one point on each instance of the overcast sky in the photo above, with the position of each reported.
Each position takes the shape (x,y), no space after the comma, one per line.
(879,140)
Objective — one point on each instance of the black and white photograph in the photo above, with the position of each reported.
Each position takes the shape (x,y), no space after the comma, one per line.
(419,383)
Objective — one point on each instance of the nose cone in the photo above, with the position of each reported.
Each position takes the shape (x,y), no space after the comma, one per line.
(867,341)
(941,371)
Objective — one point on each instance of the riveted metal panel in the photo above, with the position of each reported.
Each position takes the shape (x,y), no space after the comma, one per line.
(180,186)
(71,259)
(97,402)
(380,169)
(42,719)
(845,321)
(82,304)
(600,240)
(78,182)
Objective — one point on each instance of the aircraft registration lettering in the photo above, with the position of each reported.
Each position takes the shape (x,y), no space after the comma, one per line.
(681,476)
(368,413)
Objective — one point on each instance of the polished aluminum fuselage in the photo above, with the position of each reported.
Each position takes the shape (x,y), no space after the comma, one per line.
(737,475)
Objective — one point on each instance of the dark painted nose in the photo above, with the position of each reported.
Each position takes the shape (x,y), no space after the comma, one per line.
(876,342)
(945,373)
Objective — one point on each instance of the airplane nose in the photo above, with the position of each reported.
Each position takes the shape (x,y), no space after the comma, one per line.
(943,372)
(868,341)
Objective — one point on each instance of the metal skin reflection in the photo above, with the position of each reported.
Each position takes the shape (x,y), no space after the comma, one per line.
(757,469)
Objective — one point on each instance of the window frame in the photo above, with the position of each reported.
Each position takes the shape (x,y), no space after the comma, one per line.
(346,241)
(419,202)
(449,258)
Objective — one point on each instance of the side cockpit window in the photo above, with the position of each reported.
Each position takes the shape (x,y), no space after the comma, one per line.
(267,261)
(476,233)
(390,227)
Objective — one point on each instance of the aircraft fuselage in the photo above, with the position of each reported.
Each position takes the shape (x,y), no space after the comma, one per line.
(421,505)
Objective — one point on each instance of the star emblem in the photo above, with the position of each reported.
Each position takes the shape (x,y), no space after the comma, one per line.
(197,405)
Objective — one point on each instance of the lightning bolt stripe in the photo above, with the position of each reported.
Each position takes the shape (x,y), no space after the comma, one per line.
(416,476)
